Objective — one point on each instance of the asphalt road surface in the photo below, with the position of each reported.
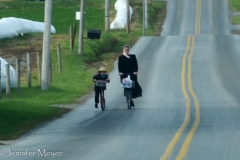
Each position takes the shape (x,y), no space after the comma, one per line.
(190,107)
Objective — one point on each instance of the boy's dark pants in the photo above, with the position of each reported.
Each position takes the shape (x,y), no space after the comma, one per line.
(97,92)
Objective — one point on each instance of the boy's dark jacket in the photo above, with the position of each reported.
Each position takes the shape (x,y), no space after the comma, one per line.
(100,77)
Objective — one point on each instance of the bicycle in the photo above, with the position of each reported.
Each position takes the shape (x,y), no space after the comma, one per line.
(102,83)
(128,86)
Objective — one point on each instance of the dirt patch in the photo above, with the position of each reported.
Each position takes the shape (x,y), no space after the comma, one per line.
(18,47)
(236,32)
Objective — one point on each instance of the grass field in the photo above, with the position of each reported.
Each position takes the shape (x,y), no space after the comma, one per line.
(24,111)
(235,6)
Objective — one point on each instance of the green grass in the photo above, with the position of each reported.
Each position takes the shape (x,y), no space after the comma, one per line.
(235,6)
(24,111)
(235,19)
(19,115)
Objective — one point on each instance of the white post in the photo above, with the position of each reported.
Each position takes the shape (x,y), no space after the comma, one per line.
(46,45)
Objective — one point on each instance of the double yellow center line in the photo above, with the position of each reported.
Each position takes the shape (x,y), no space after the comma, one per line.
(191,133)
(186,72)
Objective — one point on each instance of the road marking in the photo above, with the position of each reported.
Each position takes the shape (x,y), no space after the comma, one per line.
(191,133)
(187,59)
(190,46)
(175,139)
(198,17)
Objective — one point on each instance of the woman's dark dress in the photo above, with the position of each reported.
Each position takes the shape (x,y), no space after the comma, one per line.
(130,65)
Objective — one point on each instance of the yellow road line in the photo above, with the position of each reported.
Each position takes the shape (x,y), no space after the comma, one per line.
(191,133)
(198,17)
(185,145)
(171,145)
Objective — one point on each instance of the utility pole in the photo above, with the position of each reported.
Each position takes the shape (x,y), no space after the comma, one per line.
(46,46)
(106,16)
(128,16)
(143,21)
(146,13)
(80,45)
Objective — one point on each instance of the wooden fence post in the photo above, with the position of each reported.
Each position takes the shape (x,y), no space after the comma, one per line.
(0,81)
(50,69)
(128,16)
(74,34)
(29,70)
(71,37)
(39,67)
(59,58)
(8,91)
(18,75)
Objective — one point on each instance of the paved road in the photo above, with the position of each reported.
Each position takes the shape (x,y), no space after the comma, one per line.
(190,107)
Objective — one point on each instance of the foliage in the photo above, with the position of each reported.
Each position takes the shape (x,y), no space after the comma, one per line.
(235,6)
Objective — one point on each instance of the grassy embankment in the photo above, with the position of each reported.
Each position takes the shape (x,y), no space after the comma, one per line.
(235,6)
(24,111)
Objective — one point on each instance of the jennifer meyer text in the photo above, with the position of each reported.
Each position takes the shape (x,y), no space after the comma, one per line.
(27,152)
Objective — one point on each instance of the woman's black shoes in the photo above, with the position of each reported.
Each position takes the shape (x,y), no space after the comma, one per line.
(132,104)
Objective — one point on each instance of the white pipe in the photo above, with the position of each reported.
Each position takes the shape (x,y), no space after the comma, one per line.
(121,17)
(11,27)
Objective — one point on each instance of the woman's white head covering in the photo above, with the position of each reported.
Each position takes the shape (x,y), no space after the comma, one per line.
(124,53)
